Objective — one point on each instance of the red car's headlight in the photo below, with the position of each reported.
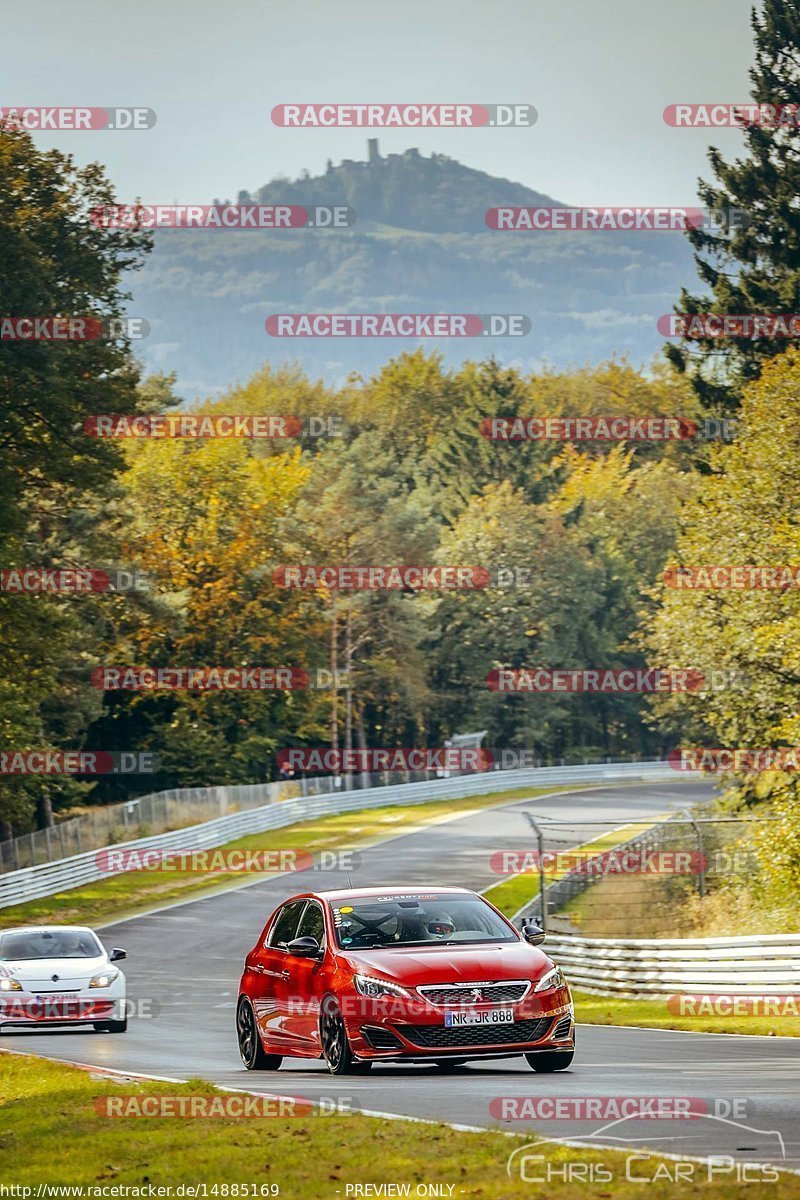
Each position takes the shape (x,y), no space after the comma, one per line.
(553,979)
(367,985)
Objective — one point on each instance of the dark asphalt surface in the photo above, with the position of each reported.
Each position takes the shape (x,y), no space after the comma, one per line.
(188,959)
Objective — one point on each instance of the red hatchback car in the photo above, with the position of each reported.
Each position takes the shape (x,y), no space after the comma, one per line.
(382,974)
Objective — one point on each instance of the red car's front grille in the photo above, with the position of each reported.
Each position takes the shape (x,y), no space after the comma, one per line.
(455,994)
(439,1036)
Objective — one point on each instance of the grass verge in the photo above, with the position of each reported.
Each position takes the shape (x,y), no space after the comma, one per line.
(653,1014)
(51,1133)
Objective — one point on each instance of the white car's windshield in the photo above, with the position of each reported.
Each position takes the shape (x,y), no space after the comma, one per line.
(49,943)
(415,920)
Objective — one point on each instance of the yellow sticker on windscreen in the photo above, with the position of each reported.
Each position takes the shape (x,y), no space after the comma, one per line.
(346,908)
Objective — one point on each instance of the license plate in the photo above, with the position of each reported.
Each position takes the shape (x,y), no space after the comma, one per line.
(494,1016)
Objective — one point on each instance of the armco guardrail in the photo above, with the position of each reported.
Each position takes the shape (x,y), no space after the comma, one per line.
(642,968)
(47,879)
(143,816)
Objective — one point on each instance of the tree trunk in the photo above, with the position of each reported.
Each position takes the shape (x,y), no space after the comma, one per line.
(335,691)
(366,778)
(44,811)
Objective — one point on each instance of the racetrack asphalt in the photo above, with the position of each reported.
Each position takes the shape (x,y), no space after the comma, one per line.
(188,959)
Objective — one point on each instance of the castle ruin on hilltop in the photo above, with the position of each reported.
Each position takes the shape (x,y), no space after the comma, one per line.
(376,159)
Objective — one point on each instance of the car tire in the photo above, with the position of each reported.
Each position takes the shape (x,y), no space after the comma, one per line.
(253,1054)
(547,1061)
(112,1026)
(336,1049)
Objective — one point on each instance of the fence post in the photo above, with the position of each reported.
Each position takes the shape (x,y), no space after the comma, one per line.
(701,868)
(542,886)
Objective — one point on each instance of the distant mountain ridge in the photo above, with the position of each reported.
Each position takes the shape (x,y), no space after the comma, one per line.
(419,244)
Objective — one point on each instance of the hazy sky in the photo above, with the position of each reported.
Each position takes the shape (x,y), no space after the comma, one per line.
(599,72)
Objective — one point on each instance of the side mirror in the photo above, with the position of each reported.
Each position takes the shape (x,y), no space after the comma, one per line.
(304,947)
(533,933)
(117,953)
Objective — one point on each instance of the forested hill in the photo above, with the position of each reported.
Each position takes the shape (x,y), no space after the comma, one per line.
(419,244)
(406,191)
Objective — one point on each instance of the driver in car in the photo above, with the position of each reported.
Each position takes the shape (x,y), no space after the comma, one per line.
(440,926)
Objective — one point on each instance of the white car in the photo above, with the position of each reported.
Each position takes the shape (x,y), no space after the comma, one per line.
(60,975)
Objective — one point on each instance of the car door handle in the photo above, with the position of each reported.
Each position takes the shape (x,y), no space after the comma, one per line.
(284,974)
(257,967)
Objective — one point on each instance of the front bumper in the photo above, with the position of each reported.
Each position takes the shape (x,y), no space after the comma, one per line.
(28,1010)
(394,1028)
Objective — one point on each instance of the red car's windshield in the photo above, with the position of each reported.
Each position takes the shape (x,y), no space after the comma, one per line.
(416,920)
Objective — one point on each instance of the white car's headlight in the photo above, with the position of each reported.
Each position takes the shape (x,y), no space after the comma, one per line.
(10,985)
(376,988)
(104,979)
(553,979)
